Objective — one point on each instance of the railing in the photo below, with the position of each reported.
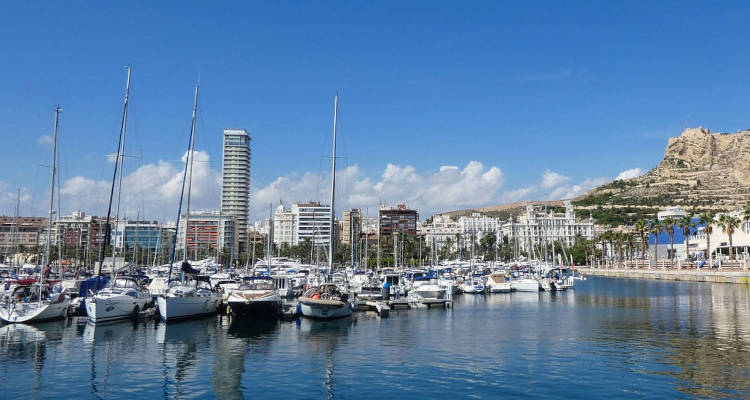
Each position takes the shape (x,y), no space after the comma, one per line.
(676,264)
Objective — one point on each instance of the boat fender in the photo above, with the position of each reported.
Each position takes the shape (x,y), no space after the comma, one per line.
(315,296)
(299,308)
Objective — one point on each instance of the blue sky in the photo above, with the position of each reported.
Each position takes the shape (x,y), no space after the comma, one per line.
(556,96)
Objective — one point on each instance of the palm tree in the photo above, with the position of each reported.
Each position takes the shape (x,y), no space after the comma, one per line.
(746,212)
(669,224)
(641,229)
(729,224)
(630,242)
(656,229)
(685,223)
(707,219)
(619,238)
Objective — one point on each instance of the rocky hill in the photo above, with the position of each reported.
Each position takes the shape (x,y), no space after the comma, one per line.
(700,170)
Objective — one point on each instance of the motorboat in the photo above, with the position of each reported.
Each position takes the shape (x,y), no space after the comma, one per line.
(122,298)
(472,286)
(257,298)
(34,302)
(326,301)
(428,294)
(497,283)
(524,284)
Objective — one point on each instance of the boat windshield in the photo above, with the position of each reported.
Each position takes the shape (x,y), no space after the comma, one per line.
(124,283)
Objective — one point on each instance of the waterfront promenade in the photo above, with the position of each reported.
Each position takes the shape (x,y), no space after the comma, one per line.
(736,274)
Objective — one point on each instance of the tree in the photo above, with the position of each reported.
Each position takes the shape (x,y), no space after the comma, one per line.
(630,243)
(707,218)
(655,228)
(487,244)
(640,228)
(685,223)
(669,224)
(729,224)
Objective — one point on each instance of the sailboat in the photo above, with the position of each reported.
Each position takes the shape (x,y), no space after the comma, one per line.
(187,297)
(328,300)
(31,302)
(123,297)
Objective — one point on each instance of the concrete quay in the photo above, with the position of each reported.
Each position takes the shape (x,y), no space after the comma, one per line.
(702,275)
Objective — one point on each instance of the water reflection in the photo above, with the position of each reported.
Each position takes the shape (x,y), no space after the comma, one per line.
(231,350)
(666,338)
(324,337)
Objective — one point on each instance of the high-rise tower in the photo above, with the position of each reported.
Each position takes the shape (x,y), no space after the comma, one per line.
(235,182)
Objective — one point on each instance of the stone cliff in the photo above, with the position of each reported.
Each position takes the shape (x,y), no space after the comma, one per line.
(700,169)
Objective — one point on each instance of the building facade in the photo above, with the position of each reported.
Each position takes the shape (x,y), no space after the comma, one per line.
(235,182)
(442,233)
(312,221)
(477,225)
(351,225)
(205,232)
(538,227)
(283,226)
(397,219)
(24,232)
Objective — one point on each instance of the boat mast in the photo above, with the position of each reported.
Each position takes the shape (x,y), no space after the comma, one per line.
(107,228)
(333,185)
(182,192)
(270,238)
(51,203)
(191,158)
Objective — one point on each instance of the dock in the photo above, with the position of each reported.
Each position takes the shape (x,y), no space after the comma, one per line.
(736,276)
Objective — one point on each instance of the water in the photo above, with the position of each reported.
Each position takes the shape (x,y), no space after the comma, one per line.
(607,338)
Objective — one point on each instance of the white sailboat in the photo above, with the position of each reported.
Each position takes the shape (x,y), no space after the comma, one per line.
(187,298)
(30,303)
(328,300)
(123,297)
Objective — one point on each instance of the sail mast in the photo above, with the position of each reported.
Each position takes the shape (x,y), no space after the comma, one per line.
(51,202)
(333,185)
(182,191)
(191,158)
(107,228)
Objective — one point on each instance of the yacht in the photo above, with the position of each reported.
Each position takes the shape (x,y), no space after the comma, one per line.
(472,286)
(327,301)
(428,294)
(33,302)
(497,283)
(121,299)
(524,284)
(255,299)
(185,300)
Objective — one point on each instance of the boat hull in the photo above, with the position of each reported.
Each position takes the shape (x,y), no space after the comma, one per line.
(324,309)
(174,307)
(259,309)
(27,313)
(500,288)
(525,285)
(114,308)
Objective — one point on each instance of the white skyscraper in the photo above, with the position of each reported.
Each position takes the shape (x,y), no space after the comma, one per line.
(235,182)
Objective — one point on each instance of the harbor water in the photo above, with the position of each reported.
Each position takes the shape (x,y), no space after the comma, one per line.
(615,338)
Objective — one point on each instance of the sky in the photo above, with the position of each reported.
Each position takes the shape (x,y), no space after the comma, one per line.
(443,105)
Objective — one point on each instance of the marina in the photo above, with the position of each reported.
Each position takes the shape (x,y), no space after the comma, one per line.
(608,337)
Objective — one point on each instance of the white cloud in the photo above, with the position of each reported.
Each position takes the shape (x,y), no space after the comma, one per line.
(552,179)
(10,197)
(570,191)
(153,190)
(630,173)
(45,139)
(446,189)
